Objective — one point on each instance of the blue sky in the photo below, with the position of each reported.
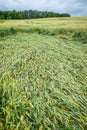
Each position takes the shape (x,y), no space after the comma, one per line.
(73,7)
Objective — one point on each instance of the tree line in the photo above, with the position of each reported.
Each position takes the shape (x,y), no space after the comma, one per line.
(29,14)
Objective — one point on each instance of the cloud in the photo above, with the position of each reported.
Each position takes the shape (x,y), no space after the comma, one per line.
(74,7)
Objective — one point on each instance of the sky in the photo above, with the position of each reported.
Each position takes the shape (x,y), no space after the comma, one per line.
(73,7)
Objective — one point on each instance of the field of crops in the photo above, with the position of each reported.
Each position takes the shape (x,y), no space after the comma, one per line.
(43,74)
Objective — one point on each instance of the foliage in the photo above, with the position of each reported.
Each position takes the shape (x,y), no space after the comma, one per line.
(28,14)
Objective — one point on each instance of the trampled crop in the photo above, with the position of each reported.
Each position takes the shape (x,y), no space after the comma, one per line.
(43,83)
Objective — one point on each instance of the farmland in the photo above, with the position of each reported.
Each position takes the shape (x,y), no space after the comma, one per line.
(43,74)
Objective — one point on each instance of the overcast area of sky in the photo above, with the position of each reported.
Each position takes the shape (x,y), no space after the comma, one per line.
(73,7)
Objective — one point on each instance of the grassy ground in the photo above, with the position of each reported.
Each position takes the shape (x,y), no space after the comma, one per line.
(49,23)
(74,27)
(43,80)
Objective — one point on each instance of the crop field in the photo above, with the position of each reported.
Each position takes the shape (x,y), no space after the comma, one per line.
(43,74)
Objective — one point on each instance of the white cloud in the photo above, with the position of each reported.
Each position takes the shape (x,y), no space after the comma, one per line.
(74,7)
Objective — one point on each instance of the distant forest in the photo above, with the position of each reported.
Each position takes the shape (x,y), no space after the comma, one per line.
(30,14)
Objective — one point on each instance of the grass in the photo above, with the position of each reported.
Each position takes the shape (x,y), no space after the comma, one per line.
(75,28)
(49,23)
(43,79)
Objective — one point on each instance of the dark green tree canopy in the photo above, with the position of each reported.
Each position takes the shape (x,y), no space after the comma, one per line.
(29,14)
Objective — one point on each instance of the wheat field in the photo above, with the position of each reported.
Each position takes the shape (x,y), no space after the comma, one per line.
(43,74)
